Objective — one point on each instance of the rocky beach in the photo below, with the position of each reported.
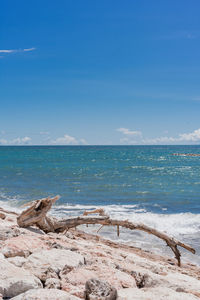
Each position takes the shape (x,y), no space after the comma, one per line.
(99,150)
(77,265)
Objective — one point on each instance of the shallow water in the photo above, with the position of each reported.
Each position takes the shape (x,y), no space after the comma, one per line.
(140,183)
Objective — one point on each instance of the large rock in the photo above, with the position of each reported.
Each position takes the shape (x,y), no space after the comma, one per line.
(13,252)
(45,294)
(74,281)
(23,245)
(14,280)
(52,283)
(159,293)
(54,260)
(115,277)
(97,289)
(7,232)
(118,278)
(18,261)
(77,276)
(2,216)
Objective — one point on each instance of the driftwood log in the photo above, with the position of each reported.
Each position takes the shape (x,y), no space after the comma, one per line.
(36,215)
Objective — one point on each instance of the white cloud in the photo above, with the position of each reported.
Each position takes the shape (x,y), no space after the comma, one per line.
(17,141)
(192,137)
(65,140)
(135,137)
(3,142)
(183,138)
(29,49)
(129,132)
(16,50)
(7,51)
(21,141)
(83,142)
(163,140)
(46,140)
(131,137)
(128,141)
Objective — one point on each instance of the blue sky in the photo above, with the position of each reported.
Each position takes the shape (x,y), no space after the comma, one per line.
(99,72)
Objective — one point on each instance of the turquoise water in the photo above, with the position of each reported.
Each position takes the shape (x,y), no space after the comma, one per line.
(140,183)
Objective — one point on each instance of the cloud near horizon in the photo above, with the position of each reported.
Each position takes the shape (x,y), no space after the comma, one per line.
(17,141)
(129,132)
(182,138)
(68,140)
(130,137)
(47,140)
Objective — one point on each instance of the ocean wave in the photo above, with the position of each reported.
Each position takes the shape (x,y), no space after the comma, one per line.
(174,224)
(183,226)
(78,209)
(10,206)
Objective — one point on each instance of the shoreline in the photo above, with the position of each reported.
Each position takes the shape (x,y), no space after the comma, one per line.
(63,263)
(172,224)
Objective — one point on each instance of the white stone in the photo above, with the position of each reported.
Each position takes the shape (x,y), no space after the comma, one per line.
(52,283)
(153,294)
(2,256)
(18,261)
(10,252)
(45,294)
(14,280)
(39,263)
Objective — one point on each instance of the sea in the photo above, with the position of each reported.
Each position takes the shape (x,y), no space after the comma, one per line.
(142,184)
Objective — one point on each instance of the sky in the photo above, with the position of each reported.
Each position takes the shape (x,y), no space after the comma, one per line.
(106,72)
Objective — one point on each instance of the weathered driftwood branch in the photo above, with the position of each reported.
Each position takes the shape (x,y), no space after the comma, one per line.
(36,215)
(99,211)
(7,211)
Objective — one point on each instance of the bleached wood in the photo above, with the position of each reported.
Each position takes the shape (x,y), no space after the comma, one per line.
(36,215)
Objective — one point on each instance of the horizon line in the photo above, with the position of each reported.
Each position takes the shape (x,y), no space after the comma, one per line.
(95,145)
